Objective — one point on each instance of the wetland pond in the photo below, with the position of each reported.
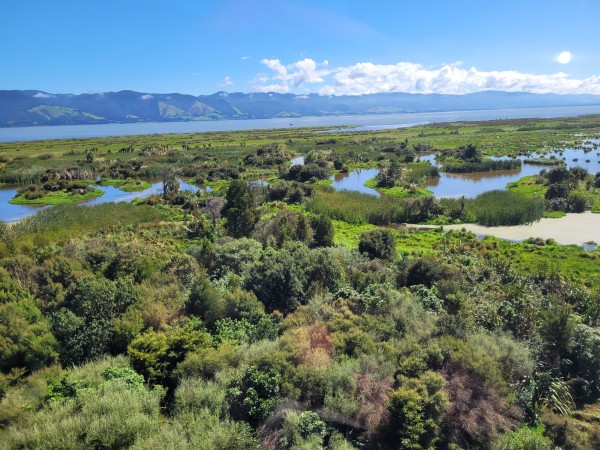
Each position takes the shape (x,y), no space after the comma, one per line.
(12,213)
(471,185)
(447,185)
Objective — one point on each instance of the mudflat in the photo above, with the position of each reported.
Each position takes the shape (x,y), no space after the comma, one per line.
(570,229)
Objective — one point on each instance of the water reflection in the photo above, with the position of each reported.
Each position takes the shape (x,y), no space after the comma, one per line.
(355,180)
(13,213)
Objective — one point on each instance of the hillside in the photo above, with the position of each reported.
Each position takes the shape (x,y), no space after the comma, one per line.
(31,107)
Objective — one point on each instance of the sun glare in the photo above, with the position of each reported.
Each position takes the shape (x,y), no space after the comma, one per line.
(564,58)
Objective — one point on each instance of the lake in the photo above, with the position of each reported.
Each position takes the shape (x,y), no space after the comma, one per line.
(360,122)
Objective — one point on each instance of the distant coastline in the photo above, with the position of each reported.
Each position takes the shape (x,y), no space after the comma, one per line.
(361,121)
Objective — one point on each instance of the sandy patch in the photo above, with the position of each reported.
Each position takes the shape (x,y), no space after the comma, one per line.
(571,229)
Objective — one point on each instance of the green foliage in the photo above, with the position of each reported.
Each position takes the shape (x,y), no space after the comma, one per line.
(487,165)
(286,226)
(324,231)
(255,396)
(205,301)
(25,338)
(379,243)
(88,412)
(200,431)
(523,439)
(133,379)
(495,208)
(301,427)
(416,409)
(83,323)
(239,210)
(155,354)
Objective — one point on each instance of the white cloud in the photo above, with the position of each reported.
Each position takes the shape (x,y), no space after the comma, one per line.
(227,81)
(244,58)
(43,95)
(291,76)
(146,97)
(370,78)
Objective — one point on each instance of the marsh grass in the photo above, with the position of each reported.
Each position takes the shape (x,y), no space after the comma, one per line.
(61,223)
(497,208)
(487,165)
(356,207)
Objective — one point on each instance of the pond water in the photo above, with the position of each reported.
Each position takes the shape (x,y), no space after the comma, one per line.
(13,213)
(297,161)
(471,185)
(355,181)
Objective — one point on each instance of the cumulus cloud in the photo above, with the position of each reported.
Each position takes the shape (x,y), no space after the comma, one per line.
(227,81)
(370,78)
(292,76)
(146,97)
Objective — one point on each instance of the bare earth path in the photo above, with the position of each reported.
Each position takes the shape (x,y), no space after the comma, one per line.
(571,229)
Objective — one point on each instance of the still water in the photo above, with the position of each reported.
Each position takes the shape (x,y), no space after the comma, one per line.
(361,122)
(471,185)
(13,213)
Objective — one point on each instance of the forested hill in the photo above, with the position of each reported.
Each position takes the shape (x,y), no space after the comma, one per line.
(32,107)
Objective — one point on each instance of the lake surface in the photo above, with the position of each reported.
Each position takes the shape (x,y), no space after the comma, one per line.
(355,181)
(13,213)
(361,122)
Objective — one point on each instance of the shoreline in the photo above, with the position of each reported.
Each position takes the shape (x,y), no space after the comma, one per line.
(572,229)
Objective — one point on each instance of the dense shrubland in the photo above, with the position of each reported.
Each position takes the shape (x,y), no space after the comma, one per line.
(291,315)
(122,329)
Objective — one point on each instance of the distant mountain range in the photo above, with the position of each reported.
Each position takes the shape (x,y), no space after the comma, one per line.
(26,108)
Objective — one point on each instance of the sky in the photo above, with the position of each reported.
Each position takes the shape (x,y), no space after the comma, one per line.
(331,47)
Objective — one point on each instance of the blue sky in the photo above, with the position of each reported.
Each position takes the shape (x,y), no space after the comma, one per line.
(329,47)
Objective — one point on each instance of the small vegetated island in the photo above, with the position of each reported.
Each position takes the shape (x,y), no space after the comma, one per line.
(273,311)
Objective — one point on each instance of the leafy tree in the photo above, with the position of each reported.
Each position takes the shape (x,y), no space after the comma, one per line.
(155,354)
(323,231)
(255,396)
(379,243)
(84,324)
(239,210)
(416,409)
(25,337)
(205,301)
(281,280)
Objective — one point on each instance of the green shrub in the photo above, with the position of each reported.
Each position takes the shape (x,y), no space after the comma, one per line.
(379,243)
(523,439)
(255,396)
(416,409)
